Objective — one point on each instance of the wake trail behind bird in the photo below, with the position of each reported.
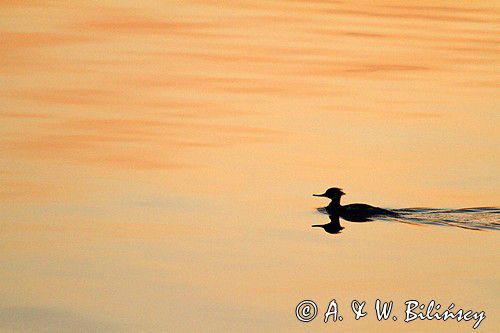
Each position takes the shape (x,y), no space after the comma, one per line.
(473,218)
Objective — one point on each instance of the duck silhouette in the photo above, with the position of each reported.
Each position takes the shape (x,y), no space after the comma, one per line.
(356,212)
(333,227)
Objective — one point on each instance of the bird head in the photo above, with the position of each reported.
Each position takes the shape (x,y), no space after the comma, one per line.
(331,193)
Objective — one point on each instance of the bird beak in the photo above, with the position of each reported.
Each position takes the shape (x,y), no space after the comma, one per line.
(319,195)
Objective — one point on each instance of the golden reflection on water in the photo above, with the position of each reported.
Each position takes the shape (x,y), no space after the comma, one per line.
(163,155)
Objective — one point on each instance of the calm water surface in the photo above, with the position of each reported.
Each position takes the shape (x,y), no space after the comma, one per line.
(158,160)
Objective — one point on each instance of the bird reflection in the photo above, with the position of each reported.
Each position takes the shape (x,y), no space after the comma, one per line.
(333,227)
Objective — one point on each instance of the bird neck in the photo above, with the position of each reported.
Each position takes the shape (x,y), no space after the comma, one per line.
(335,203)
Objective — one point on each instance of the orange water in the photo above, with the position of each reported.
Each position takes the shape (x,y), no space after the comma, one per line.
(158,160)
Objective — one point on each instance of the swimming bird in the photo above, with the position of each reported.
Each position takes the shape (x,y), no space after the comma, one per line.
(356,212)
